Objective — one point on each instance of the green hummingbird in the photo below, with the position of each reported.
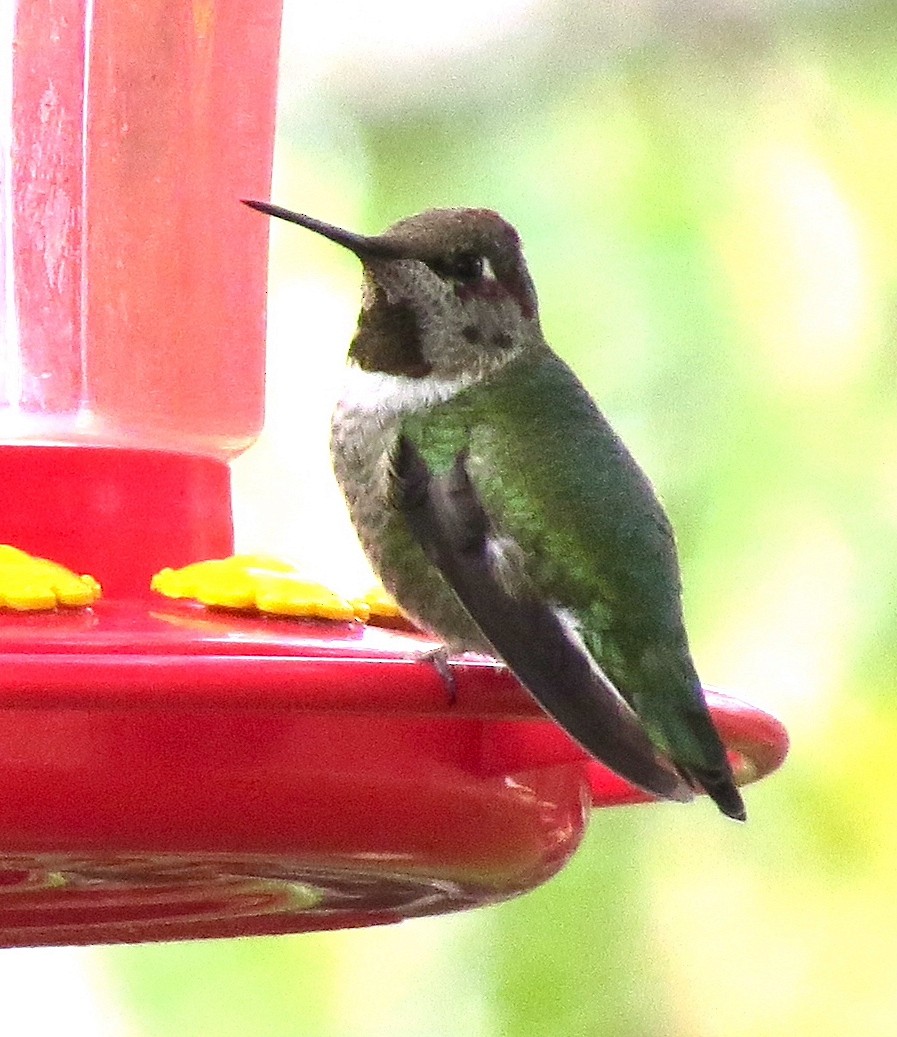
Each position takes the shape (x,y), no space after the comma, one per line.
(498,506)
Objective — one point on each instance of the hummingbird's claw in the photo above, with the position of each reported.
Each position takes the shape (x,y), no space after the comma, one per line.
(439,657)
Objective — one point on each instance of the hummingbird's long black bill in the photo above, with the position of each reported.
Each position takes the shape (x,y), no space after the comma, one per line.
(447,518)
(360,244)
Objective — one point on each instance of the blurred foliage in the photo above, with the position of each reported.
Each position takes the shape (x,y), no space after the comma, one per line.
(709,205)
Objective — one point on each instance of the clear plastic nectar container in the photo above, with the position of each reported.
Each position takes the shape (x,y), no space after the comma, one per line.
(132,281)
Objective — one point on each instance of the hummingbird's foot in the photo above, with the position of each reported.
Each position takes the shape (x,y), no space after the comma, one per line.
(261,583)
(439,657)
(30,584)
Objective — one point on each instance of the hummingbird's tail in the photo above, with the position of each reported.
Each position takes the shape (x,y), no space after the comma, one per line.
(671,703)
(720,787)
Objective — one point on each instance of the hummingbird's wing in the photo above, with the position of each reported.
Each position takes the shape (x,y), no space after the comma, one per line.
(585,533)
(448,519)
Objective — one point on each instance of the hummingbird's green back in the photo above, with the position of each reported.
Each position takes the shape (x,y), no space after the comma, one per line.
(584,530)
(557,480)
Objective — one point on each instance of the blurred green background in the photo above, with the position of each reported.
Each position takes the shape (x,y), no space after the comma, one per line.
(707,193)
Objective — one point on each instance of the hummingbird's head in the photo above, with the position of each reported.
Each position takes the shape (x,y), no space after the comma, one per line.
(446,293)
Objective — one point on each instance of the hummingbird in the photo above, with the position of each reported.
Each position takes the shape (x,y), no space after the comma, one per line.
(497,505)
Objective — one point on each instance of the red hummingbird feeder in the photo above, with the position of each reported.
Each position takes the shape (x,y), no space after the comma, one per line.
(167,771)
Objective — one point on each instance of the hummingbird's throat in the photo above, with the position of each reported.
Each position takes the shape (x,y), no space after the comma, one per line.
(389,339)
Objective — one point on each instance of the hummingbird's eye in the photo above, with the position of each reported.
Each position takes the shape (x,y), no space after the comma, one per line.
(465,267)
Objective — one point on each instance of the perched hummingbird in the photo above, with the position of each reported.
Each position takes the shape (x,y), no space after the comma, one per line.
(500,509)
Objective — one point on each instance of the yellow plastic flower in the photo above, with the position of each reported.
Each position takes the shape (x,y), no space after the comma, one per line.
(270,585)
(30,584)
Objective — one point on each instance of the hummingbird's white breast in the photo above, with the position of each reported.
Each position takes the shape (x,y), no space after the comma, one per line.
(363,434)
(381,396)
